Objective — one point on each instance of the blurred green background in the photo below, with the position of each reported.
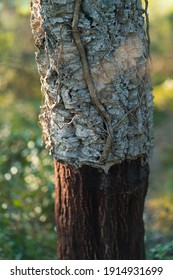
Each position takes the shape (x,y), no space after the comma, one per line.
(27,225)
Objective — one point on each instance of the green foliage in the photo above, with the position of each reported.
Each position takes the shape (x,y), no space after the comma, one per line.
(17,66)
(159,205)
(20,6)
(161,24)
(161,33)
(163,96)
(26,185)
(6,41)
(161,251)
(26,170)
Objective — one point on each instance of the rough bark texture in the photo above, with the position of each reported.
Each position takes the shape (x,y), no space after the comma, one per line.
(99,216)
(92,58)
(116,47)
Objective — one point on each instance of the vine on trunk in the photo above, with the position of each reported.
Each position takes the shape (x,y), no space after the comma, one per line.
(88,79)
(147,25)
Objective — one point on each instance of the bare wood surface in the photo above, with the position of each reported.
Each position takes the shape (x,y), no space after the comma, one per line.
(100,216)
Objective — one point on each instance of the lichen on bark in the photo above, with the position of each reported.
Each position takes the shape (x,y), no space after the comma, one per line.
(116,46)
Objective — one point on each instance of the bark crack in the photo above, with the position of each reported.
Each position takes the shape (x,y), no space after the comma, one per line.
(88,79)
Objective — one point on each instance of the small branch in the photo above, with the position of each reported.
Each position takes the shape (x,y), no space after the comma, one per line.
(65,124)
(124,117)
(88,79)
(147,26)
(108,142)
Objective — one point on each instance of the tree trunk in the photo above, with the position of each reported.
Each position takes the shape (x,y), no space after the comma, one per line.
(98,215)
(92,57)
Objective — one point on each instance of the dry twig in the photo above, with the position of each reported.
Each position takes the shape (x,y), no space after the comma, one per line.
(147,26)
(65,124)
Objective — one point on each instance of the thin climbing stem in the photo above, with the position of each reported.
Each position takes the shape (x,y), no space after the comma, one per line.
(88,79)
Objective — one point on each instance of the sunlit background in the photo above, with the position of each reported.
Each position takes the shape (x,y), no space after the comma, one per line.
(27,226)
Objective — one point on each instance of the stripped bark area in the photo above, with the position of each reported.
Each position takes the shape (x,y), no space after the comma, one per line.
(98,215)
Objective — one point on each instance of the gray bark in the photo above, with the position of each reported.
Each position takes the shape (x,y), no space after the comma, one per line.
(116,44)
(93,61)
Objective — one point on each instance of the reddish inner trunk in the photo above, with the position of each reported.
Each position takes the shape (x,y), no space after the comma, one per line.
(98,215)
